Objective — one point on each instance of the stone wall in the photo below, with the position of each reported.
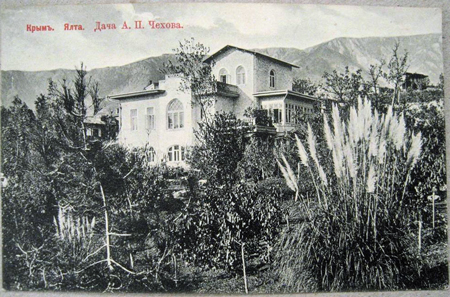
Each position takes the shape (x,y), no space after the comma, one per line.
(283,75)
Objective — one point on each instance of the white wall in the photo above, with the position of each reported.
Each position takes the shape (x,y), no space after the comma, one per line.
(231,60)
(161,138)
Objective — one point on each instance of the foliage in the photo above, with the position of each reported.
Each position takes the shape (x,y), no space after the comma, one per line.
(345,87)
(219,221)
(430,174)
(221,148)
(257,159)
(357,232)
(57,180)
(197,77)
(232,219)
(258,116)
(305,86)
(111,127)
(397,67)
(78,216)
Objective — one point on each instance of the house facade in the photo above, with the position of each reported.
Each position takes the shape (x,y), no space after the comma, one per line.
(163,118)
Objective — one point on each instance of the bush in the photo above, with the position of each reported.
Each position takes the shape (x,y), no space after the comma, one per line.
(357,234)
(221,147)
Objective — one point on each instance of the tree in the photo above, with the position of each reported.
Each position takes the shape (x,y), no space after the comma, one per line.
(26,204)
(54,173)
(18,126)
(222,145)
(397,67)
(222,228)
(95,97)
(228,218)
(441,82)
(257,159)
(373,84)
(304,86)
(196,75)
(345,87)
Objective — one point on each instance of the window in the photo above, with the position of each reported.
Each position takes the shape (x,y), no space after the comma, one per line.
(272,79)
(133,119)
(176,153)
(240,75)
(175,115)
(293,113)
(289,113)
(96,132)
(297,114)
(202,113)
(151,155)
(223,75)
(150,118)
(274,111)
(277,117)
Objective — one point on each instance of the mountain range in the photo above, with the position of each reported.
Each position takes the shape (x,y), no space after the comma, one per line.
(424,56)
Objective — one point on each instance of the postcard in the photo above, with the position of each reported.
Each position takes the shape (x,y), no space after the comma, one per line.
(223,148)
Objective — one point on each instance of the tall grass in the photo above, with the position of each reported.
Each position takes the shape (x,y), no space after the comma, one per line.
(76,238)
(358,232)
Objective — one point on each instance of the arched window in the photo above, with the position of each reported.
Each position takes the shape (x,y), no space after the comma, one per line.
(223,75)
(175,115)
(151,154)
(240,75)
(176,153)
(272,79)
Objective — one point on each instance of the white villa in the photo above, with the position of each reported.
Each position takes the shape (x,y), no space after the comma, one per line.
(163,117)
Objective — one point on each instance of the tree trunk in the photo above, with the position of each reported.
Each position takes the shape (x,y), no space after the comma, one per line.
(243,268)
(108,248)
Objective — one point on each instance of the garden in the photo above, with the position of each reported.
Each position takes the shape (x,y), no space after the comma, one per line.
(353,199)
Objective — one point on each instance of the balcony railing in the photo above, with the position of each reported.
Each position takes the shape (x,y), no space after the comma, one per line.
(227,89)
(261,123)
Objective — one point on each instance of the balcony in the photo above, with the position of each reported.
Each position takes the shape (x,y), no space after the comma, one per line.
(227,90)
(261,123)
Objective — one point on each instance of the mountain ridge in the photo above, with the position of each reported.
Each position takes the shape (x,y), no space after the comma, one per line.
(424,52)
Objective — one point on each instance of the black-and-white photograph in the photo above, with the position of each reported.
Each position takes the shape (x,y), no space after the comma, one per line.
(223,148)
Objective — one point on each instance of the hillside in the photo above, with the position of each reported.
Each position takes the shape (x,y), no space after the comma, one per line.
(424,52)
(425,56)
(112,80)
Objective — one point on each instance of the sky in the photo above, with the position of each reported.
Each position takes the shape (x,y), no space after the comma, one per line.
(213,24)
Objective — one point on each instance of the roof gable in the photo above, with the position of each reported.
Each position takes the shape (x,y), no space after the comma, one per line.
(230,47)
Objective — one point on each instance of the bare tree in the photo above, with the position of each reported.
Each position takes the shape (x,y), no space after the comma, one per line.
(375,73)
(397,67)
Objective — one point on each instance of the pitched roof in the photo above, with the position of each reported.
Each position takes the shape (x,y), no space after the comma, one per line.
(227,47)
(94,120)
(135,94)
(415,75)
(284,93)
